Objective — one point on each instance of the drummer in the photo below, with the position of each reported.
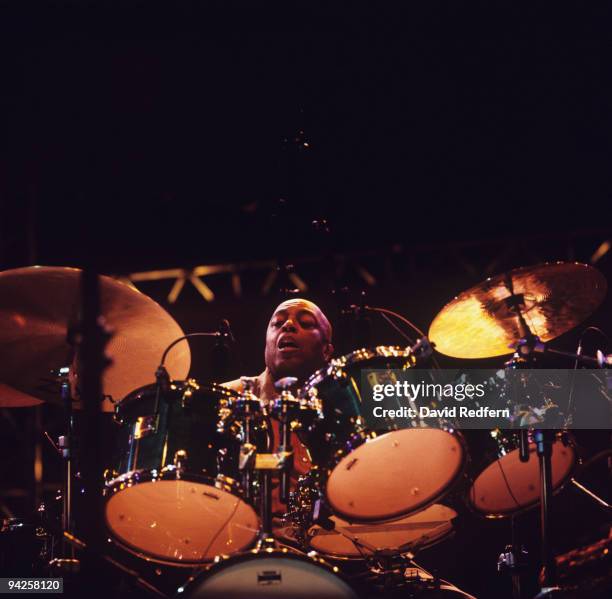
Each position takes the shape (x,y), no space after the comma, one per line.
(298,343)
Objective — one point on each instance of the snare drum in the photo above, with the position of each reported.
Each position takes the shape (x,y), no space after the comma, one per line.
(376,470)
(269,573)
(358,541)
(174,495)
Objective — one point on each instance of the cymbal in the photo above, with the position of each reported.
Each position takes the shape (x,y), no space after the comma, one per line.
(479,323)
(37,306)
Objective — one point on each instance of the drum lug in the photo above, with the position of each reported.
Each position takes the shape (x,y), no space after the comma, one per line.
(144,425)
(187,396)
(247,453)
(109,475)
(180,459)
(117,418)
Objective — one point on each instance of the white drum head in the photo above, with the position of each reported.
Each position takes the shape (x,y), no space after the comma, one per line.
(408,534)
(273,576)
(395,474)
(509,485)
(181,521)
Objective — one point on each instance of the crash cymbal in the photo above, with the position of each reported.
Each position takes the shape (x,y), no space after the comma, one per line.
(37,306)
(479,323)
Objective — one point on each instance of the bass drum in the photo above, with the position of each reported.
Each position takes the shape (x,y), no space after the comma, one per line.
(503,484)
(377,469)
(173,497)
(268,573)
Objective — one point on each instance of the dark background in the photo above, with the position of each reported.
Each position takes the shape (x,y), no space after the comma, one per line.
(442,148)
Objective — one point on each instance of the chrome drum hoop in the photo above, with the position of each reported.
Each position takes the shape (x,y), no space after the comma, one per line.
(268,581)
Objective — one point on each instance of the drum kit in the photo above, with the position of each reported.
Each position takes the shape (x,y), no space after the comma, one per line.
(189,490)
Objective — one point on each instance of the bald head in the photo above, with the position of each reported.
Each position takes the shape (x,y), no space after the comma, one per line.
(305,304)
(298,339)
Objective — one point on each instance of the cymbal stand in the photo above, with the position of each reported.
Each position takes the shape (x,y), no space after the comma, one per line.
(513,560)
(544,442)
(65,445)
(64,448)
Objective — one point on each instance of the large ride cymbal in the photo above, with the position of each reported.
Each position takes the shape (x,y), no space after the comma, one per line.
(37,306)
(479,323)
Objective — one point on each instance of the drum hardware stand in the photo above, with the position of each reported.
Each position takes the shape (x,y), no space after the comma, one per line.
(396,570)
(64,448)
(596,498)
(268,463)
(248,449)
(65,445)
(285,447)
(321,514)
(77,543)
(512,561)
(600,360)
(543,440)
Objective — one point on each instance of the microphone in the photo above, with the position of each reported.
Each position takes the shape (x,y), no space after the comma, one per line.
(225,331)
(221,352)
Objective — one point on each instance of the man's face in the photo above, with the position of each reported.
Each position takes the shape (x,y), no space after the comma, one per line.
(297,340)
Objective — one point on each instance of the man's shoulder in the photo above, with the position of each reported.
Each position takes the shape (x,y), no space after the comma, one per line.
(235,385)
(238,384)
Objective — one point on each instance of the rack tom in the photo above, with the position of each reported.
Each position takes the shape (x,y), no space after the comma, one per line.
(174,495)
(376,469)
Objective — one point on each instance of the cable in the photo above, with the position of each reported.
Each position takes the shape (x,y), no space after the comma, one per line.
(406,337)
(398,316)
(165,354)
(384,311)
(216,535)
(507,483)
(501,469)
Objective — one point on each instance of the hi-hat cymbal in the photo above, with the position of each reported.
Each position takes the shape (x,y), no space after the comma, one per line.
(37,306)
(479,323)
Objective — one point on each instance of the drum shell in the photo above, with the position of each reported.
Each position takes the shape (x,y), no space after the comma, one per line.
(343,425)
(174,497)
(348,430)
(186,422)
(487,448)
